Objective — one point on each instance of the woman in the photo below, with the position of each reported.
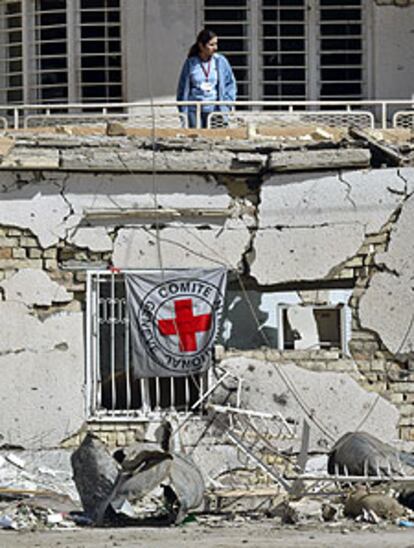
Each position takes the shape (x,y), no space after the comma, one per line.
(205,76)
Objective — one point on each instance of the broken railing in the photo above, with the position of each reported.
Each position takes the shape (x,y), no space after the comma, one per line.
(241,114)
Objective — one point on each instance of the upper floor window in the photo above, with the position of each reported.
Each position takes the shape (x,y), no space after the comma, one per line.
(60,51)
(293,49)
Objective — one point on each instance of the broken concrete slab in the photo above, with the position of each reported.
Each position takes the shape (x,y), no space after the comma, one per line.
(26,198)
(6,144)
(295,254)
(387,305)
(34,288)
(93,238)
(310,160)
(39,158)
(181,245)
(329,416)
(295,217)
(142,160)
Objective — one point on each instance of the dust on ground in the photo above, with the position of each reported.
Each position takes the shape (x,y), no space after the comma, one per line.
(226,534)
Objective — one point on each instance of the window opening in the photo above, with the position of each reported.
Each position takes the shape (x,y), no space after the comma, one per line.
(114,390)
(230,19)
(312,327)
(292,49)
(58,51)
(341,49)
(12,48)
(101,71)
(283,50)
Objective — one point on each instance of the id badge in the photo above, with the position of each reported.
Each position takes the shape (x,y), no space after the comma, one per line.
(206,86)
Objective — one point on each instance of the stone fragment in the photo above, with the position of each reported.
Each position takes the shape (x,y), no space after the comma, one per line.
(34,287)
(310,160)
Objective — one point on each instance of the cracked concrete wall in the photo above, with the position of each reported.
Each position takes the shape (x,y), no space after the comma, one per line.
(388,304)
(320,398)
(42,376)
(307,228)
(53,206)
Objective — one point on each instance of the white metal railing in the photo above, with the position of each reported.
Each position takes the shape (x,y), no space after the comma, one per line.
(113,390)
(379,113)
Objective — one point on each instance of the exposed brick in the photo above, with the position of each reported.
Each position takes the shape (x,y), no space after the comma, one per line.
(19,253)
(51,264)
(356,261)
(14,232)
(26,241)
(80,276)
(381,238)
(17,264)
(50,253)
(35,253)
(5,253)
(396,398)
(403,387)
(8,242)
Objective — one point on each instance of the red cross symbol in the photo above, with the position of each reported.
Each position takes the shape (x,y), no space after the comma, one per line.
(185,325)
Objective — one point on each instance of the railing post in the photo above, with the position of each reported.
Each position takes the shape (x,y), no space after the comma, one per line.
(16,118)
(198,115)
(384,115)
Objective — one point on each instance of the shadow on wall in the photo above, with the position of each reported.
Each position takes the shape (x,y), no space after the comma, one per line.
(246,325)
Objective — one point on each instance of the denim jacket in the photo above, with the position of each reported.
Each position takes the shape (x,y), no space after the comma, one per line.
(227,87)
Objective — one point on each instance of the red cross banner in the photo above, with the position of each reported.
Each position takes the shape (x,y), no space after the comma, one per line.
(174,319)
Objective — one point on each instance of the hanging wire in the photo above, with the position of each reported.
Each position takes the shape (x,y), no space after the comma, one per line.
(153,142)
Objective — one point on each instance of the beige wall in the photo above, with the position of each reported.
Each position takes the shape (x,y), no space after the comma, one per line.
(173,24)
(154,55)
(393,52)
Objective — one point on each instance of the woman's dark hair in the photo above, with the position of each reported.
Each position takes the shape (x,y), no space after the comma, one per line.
(204,38)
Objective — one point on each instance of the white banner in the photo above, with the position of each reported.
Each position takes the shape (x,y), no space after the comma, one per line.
(174,319)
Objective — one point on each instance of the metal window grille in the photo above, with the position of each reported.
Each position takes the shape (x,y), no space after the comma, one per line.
(283,50)
(293,49)
(100,28)
(55,51)
(341,49)
(11,56)
(113,389)
(48,69)
(231,20)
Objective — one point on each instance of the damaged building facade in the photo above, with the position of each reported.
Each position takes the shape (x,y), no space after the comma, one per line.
(312,223)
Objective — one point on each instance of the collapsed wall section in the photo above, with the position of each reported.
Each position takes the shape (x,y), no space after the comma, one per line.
(312,235)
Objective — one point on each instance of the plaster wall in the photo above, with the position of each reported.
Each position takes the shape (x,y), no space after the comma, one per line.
(154,51)
(42,353)
(42,376)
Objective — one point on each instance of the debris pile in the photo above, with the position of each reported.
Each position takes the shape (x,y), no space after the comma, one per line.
(145,484)
(362,483)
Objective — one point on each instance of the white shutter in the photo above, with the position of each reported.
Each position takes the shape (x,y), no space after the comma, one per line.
(60,51)
(230,19)
(341,49)
(283,50)
(100,38)
(48,69)
(11,56)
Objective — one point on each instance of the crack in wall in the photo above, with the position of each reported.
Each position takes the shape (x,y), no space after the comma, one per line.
(348,188)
